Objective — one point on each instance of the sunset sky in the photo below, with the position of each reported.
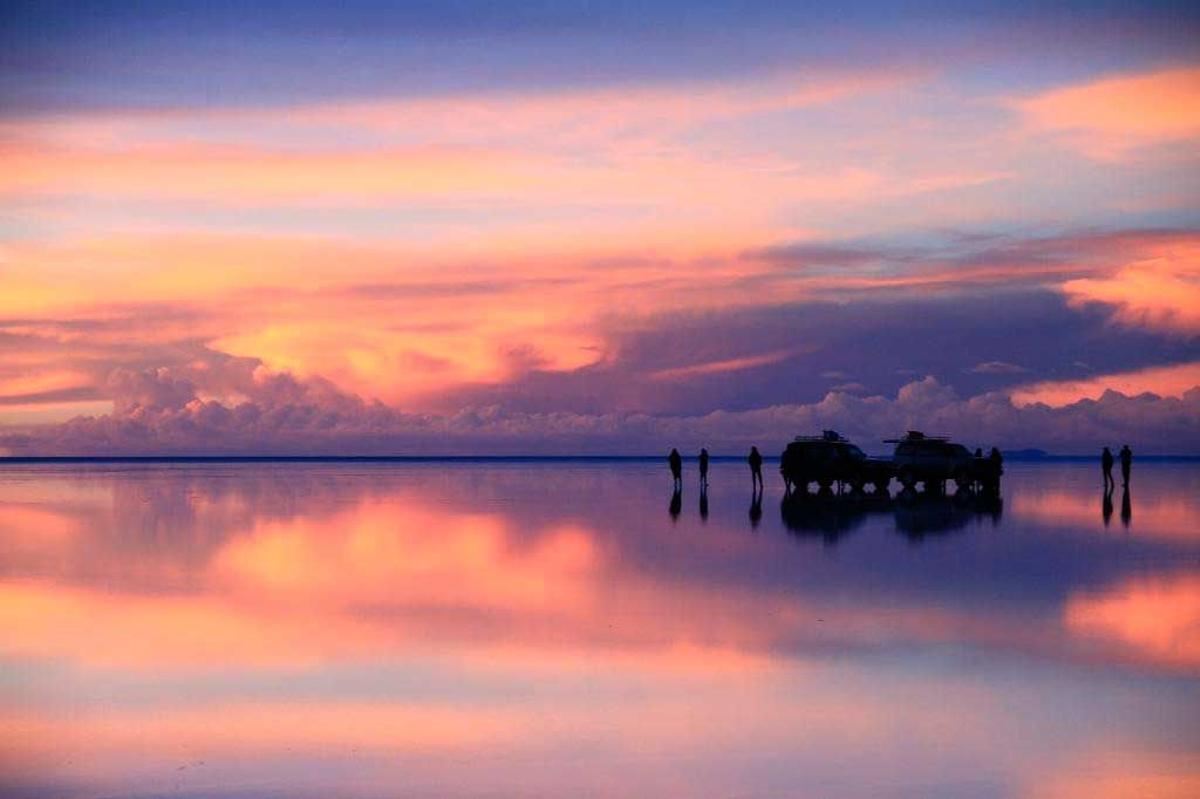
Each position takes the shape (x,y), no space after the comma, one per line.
(488,227)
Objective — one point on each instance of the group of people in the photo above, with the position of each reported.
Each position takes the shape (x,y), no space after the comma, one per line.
(755,460)
(1106,463)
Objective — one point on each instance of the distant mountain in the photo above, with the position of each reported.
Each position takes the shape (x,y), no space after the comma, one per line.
(1025,454)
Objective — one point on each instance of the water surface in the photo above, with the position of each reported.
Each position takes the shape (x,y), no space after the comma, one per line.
(560,629)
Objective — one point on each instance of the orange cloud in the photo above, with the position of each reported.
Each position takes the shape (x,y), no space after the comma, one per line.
(1108,118)
(160,743)
(1115,772)
(1165,381)
(1161,289)
(718,367)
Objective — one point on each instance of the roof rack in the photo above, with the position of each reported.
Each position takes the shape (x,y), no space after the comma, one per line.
(914,435)
(828,436)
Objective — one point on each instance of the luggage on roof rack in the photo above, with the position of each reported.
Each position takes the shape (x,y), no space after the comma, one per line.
(915,435)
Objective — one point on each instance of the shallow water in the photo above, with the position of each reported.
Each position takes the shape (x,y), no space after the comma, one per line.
(533,629)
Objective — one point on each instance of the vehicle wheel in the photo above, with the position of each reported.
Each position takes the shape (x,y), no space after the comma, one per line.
(881,487)
(962,480)
(907,479)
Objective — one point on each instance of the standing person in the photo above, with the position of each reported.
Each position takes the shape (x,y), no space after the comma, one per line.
(676,467)
(1126,463)
(994,470)
(703,467)
(1106,463)
(755,461)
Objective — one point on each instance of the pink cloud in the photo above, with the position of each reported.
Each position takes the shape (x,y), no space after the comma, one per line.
(1109,117)
(722,366)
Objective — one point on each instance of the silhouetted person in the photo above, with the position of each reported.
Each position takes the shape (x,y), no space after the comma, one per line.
(1106,508)
(1126,463)
(703,503)
(1126,506)
(676,462)
(755,461)
(676,504)
(1106,463)
(997,461)
(703,466)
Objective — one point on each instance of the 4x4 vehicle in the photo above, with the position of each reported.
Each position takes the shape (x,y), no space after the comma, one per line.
(932,460)
(829,458)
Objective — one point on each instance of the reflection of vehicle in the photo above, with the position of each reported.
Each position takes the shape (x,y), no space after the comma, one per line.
(829,516)
(915,515)
(932,461)
(919,515)
(828,459)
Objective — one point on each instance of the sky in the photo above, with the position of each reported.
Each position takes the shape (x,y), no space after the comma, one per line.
(508,228)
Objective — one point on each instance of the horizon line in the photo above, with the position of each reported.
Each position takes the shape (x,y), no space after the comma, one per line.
(1014,456)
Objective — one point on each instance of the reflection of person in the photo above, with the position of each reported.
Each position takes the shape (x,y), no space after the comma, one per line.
(1106,463)
(755,461)
(1106,508)
(755,508)
(1126,463)
(703,505)
(676,462)
(703,466)
(1126,506)
(676,504)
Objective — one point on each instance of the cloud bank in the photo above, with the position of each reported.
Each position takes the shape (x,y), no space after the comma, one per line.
(163,411)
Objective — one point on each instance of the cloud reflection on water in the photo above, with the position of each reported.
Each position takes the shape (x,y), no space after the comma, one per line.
(258,614)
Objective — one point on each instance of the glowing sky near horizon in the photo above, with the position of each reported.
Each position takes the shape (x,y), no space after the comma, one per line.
(586,214)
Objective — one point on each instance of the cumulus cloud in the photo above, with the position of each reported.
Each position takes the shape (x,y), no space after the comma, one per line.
(162,411)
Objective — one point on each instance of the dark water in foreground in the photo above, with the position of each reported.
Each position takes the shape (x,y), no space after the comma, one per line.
(550,630)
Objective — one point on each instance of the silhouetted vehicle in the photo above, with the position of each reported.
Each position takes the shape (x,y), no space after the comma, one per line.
(828,459)
(932,460)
